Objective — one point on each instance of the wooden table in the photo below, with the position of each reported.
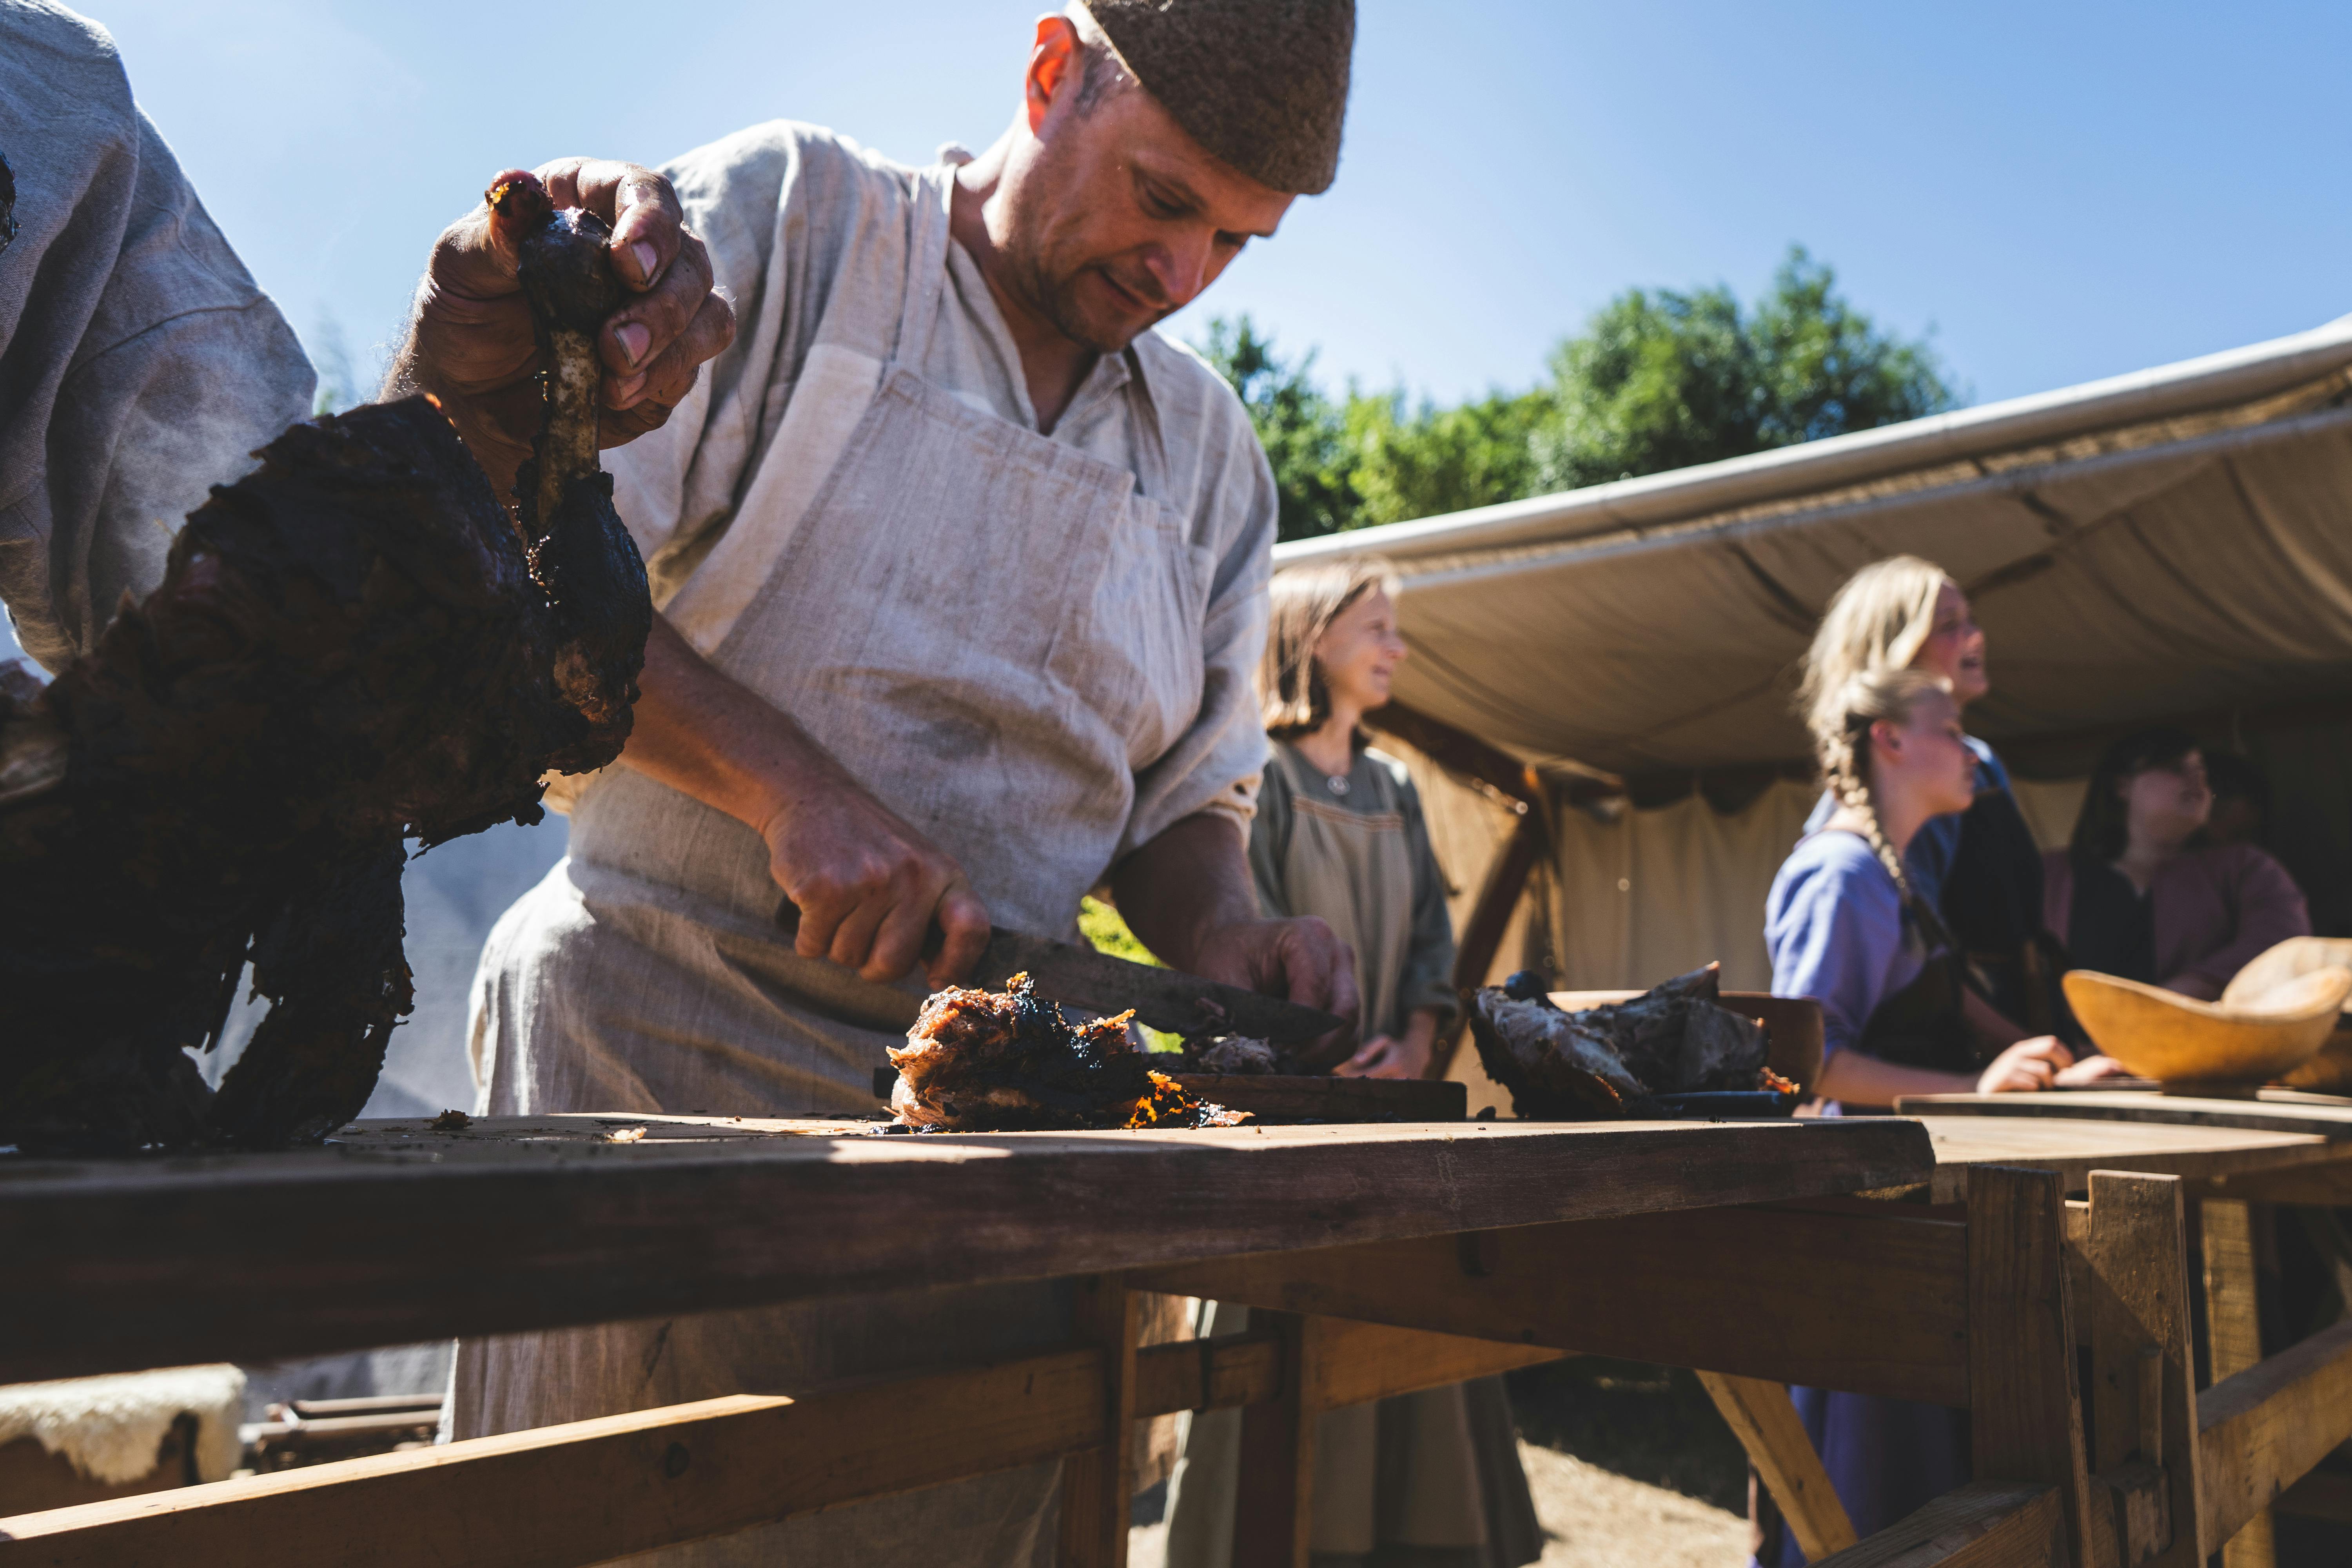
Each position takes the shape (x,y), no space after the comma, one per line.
(398,1232)
(1383,1259)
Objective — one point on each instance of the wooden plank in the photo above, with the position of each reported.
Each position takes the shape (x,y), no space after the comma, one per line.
(1216,1373)
(1358,1362)
(2265,1429)
(2327,1186)
(2074,1147)
(2233,1342)
(1098,1482)
(588,1491)
(1765,1420)
(2323,1494)
(592,1490)
(2143,1377)
(2270,1110)
(2025,1411)
(1872,1302)
(1979,1526)
(1274,1500)
(1277,1098)
(399,1234)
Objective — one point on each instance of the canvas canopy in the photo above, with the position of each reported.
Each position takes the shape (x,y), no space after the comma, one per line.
(2173,546)
(2171,542)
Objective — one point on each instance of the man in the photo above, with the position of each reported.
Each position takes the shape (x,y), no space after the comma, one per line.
(962,578)
(139,365)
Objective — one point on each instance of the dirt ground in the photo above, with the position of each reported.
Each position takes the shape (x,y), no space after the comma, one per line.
(1592,1519)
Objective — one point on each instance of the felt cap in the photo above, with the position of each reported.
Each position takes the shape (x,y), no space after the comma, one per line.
(1262,84)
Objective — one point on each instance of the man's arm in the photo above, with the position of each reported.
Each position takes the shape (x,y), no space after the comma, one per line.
(1186,894)
(470,342)
(869,887)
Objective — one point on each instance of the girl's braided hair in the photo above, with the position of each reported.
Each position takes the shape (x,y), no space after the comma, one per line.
(1841,722)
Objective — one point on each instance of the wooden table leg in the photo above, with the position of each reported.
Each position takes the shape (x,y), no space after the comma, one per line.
(2234,1338)
(2143,1377)
(2026,1409)
(1765,1420)
(1099,1484)
(1273,1506)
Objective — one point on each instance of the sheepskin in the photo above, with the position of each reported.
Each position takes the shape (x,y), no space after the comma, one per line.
(110,1427)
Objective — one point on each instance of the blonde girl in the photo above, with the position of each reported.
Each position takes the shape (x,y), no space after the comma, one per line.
(1846,925)
(1977,867)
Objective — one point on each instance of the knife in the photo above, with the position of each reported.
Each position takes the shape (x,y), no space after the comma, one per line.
(1164,999)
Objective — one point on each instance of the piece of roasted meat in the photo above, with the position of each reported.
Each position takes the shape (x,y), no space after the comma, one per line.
(1234,1056)
(353,646)
(1003,1061)
(1612,1062)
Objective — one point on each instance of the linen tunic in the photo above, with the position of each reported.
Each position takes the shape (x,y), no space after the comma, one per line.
(138,363)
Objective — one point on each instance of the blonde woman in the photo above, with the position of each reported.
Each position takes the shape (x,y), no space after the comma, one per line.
(1977,867)
(1433,1479)
(1846,925)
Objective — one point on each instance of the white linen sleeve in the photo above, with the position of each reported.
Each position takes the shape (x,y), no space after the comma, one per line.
(1214,765)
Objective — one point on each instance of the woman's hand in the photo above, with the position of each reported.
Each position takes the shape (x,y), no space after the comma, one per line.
(2091,1069)
(2026,1067)
(1384,1056)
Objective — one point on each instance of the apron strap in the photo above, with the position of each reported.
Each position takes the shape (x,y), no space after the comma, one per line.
(1150,445)
(927,263)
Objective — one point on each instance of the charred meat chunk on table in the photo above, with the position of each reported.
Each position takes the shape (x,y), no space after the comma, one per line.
(1609,1062)
(1009,1062)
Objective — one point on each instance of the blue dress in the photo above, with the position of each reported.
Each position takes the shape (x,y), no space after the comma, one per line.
(1835,924)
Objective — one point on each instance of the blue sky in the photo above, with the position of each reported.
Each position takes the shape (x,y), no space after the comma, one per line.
(2060,191)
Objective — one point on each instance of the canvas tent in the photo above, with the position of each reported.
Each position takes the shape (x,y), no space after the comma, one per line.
(2172,545)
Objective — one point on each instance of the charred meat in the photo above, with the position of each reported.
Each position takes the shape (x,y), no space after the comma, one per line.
(353,646)
(1611,1061)
(999,1061)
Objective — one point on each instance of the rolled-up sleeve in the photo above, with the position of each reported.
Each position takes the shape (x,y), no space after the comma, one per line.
(145,367)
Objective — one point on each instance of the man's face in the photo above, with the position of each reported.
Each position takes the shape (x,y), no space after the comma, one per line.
(1113,216)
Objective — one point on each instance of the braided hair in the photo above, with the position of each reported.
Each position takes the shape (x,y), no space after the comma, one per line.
(1841,722)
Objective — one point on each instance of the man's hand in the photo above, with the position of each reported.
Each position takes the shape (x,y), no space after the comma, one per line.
(1389,1056)
(1303,960)
(868,885)
(471,343)
(1186,896)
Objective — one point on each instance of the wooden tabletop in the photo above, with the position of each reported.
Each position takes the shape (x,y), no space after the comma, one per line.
(2270,1111)
(2075,1146)
(396,1232)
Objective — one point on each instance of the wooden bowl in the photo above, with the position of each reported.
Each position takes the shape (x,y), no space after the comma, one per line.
(2173,1038)
(1793,1025)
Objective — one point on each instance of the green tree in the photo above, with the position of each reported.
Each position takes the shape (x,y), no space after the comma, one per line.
(1658,379)
(1661,380)
(1302,431)
(1428,461)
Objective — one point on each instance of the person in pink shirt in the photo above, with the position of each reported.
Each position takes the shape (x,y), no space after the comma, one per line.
(2141,894)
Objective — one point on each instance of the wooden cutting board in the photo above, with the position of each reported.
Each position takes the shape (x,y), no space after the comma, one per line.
(1280,1098)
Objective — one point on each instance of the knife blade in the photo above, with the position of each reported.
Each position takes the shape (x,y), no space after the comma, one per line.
(1164,999)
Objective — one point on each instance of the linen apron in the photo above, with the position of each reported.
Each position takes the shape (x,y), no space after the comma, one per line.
(979,624)
(1354,869)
